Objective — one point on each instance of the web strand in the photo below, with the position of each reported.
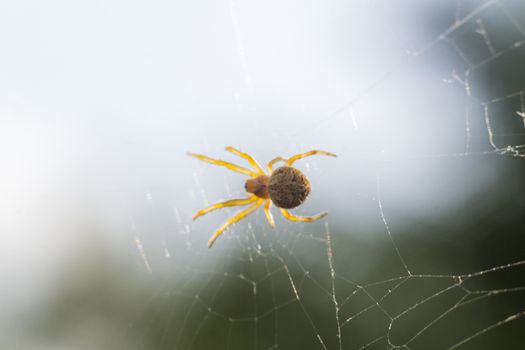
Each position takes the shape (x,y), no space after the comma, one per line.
(306,277)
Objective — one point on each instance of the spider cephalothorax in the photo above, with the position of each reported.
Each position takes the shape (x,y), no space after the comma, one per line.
(286,187)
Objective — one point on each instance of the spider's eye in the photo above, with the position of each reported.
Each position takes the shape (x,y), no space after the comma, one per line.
(288,187)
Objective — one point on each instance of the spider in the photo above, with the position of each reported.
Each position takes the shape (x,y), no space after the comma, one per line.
(285,186)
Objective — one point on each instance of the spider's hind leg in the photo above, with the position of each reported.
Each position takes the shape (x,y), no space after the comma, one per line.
(230,203)
(268,214)
(237,217)
(291,160)
(273,161)
(292,217)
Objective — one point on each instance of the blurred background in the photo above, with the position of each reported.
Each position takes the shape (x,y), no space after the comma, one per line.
(423,102)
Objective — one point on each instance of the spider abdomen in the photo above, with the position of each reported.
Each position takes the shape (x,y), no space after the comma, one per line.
(288,187)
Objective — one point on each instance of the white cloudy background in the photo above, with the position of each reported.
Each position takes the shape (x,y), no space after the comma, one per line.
(100,100)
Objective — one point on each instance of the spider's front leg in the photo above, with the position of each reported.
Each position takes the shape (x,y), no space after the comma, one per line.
(249,158)
(228,165)
(230,203)
(237,217)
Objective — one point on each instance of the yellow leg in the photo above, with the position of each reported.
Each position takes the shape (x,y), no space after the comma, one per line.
(249,158)
(237,217)
(292,217)
(230,203)
(228,165)
(273,161)
(268,214)
(291,160)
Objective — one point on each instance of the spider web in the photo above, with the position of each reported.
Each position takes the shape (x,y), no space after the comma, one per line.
(423,247)
(375,275)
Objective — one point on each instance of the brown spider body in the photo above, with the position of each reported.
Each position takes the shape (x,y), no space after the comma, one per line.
(286,188)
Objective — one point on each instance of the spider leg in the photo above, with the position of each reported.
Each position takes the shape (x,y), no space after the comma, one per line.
(249,158)
(228,165)
(292,217)
(230,203)
(273,161)
(268,214)
(291,160)
(237,217)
